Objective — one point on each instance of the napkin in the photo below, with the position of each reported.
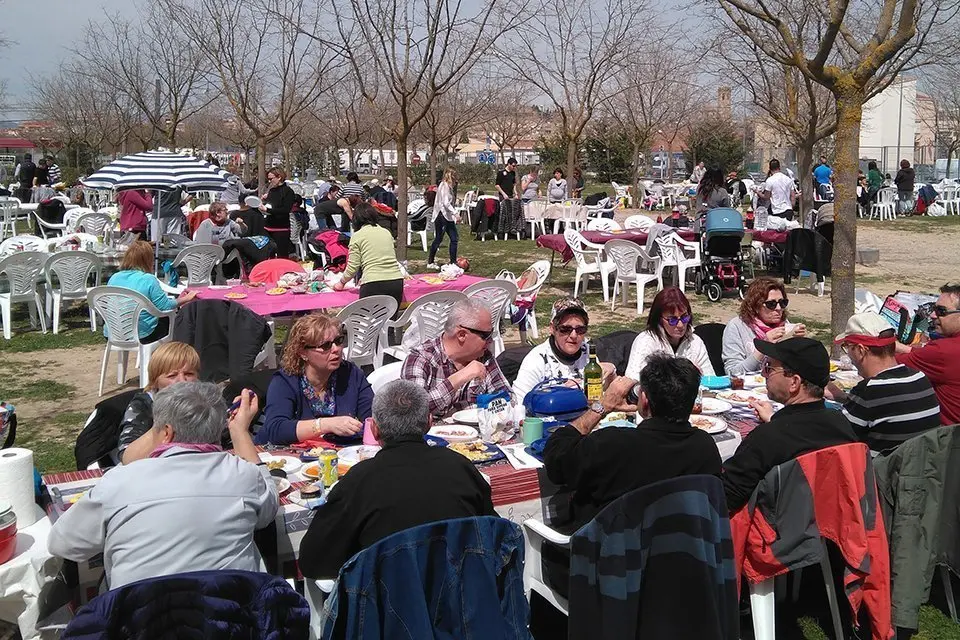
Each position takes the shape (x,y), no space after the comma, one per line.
(519,458)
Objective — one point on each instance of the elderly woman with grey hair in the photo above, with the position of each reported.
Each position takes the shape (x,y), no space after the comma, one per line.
(190,506)
(407,484)
(457,366)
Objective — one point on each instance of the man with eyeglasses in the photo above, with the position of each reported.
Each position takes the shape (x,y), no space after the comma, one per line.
(893,402)
(797,370)
(457,366)
(938,358)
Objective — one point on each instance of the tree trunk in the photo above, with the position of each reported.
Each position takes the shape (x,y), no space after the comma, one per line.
(805,167)
(638,191)
(402,186)
(432,166)
(351,162)
(850,99)
(261,165)
(571,156)
(383,163)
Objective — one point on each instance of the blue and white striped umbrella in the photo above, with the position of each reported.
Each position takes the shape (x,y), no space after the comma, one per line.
(158,171)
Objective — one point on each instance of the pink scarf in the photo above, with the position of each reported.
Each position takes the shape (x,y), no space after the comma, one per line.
(195,447)
(760,329)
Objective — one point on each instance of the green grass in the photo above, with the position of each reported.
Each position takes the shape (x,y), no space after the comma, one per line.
(74,332)
(51,453)
(44,390)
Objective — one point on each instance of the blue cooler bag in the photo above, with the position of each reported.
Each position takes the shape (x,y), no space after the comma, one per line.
(552,399)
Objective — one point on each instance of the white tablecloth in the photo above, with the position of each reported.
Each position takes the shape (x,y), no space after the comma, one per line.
(24,576)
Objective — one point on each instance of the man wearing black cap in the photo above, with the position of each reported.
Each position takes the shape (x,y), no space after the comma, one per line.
(796,370)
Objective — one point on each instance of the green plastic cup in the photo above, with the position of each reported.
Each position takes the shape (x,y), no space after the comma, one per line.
(532,430)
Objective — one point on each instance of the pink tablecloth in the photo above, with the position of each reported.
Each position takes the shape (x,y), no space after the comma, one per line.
(259,302)
(770,237)
(555,241)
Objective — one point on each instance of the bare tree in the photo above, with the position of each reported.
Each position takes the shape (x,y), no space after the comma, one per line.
(512,119)
(466,105)
(413,52)
(943,115)
(573,56)
(134,58)
(854,49)
(269,70)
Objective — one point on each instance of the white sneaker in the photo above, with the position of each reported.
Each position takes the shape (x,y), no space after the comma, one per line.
(433,266)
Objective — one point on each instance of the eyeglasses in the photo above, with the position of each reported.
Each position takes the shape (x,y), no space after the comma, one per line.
(942,311)
(484,335)
(566,330)
(772,304)
(766,369)
(326,346)
(675,320)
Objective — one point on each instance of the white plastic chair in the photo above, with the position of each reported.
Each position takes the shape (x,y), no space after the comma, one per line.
(533,213)
(9,214)
(601,209)
(949,198)
(72,270)
(48,229)
(574,215)
(603,224)
(23,270)
(120,309)
(97,198)
(530,292)
(465,208)
(627,255)
(422,234)
(679,253)
(638,221)
(71,217)
(623,193)
(533,578)
(428,312)
(200,259)
(496,296)
(96,224)
(381,376)
(364,320)
(590,260)
(17,244)
(885,208)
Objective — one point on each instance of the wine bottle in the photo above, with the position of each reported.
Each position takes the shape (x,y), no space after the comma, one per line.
(593,377)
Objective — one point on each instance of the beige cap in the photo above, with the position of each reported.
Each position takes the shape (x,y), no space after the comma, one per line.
(867,328)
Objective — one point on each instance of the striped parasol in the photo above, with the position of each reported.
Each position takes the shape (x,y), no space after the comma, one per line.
(158,171)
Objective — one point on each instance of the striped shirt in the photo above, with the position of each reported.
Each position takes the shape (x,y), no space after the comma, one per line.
(892,407)
(353,189)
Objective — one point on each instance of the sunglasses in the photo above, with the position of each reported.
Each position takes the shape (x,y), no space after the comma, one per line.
(566,330)
(674,320)
(766,369)
(772,304)
(484,335)
(326,346)
(942,311)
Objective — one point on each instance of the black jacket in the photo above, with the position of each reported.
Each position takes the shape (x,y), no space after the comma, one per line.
(102,434)
(227,335)
(280,200)
(806,250)
(794,430)
(610,462)
(905,179)
(408,484)
(252,218)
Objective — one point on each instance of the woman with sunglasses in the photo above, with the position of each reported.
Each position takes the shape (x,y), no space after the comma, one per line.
(763,315)
(316,393)
(563,355)
(669,331)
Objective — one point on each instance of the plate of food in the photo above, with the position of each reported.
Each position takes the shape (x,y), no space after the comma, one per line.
(710,424)
(454,433)
(753,380)
(846,383)
(256,285)
(477,451)
(469,416)
(713,406)
(235,296)
(275,291)
(616,419)
(282,484)
(739,398)
(289,464)
(352,455)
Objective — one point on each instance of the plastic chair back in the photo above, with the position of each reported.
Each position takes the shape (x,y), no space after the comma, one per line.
(200,260)
(23,269)
(120,309)
(17,244)
(94,223)
(364,320)
(72,270)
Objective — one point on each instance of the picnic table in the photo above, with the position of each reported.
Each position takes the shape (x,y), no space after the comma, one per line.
(261,303)
(556,242)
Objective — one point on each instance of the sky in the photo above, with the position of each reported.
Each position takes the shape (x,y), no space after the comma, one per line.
(49,28)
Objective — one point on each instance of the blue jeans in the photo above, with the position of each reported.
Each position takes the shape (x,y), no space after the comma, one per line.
(441,225)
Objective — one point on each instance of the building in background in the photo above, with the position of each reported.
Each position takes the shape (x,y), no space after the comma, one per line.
(889,126)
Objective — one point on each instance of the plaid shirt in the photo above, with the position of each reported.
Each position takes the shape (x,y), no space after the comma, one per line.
(430,367)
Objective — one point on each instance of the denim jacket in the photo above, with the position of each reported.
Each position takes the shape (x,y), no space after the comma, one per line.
(439,580)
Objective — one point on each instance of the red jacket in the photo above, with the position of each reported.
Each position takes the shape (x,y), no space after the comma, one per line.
(938,361)
(134,205)
(830,493)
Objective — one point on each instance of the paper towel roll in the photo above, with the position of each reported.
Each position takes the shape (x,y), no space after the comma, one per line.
(16,484)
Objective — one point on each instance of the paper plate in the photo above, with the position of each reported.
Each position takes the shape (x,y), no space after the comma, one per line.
(218,287)
(235,296)
(713,406)
(739,398)
(282,484)
(468,416)
(290,464)
(352,455)
(710,424)
(487,452)
(455,433)
(753,380)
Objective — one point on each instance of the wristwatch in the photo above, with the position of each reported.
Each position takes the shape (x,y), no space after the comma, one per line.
(597,406)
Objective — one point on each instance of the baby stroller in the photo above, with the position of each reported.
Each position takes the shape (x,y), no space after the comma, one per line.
(721,267)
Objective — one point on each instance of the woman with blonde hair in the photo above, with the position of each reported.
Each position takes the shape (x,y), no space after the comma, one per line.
(316,393)
(445,218)
(171,363)
(136,272)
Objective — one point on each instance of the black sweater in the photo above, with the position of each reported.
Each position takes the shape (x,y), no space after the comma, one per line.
(610,462)
(280,200)
(794,430)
